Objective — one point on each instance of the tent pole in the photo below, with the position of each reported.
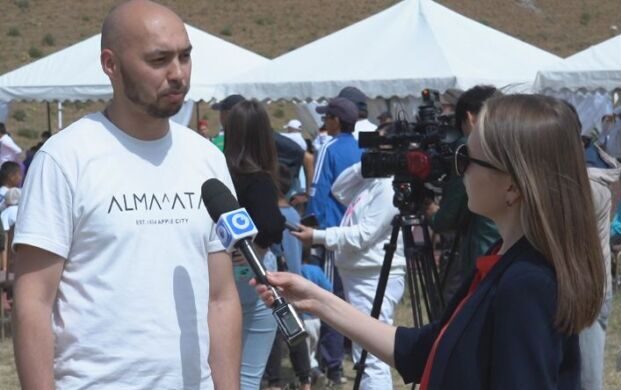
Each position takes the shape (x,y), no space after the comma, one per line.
(198,115)
(49,117)
(60,115)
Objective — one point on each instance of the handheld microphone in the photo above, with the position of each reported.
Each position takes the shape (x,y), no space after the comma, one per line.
(235,230)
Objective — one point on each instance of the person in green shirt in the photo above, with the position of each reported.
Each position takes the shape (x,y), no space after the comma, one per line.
(475,233)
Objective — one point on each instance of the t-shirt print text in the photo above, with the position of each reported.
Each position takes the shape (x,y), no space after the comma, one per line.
(153,202)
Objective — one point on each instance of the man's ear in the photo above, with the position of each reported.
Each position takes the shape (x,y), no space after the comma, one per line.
(108,63)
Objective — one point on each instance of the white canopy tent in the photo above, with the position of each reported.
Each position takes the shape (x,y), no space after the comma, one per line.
(74,73)
(586,79)
(597,68)
(410,46)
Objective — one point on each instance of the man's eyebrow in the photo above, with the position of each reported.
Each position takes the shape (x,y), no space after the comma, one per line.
(157,52)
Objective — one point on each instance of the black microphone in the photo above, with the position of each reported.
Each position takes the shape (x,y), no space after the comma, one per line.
(236,230)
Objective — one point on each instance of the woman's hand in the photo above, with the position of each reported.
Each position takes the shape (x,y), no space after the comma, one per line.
(305,235)
(298,291)
(376,337)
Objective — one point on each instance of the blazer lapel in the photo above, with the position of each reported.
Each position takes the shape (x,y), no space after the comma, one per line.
(462,319)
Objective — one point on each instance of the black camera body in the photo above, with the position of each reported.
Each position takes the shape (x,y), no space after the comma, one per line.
(418,152)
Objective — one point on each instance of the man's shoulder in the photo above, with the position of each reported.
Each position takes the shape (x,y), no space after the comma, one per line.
(79,134)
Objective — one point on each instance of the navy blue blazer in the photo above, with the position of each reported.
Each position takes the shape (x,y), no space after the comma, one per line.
(503,337)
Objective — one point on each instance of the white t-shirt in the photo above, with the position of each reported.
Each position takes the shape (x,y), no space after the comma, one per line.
(363,125)
(9,150)
(297,138)
(8,217)
(131,309)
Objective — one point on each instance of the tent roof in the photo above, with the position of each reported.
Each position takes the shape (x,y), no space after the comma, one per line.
(410,46)
(595,68)
(74,73)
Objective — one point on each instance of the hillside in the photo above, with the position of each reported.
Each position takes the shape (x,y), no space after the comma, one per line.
(30,29)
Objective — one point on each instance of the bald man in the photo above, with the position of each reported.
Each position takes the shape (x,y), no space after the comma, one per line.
(121,282)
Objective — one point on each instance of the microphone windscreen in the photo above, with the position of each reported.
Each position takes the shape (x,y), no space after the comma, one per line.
(217,198)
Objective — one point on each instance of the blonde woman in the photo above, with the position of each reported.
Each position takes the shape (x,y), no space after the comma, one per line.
(514,322)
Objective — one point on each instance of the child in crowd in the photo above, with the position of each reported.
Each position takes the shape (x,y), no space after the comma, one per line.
(289,255)
(313,272)
(10,177)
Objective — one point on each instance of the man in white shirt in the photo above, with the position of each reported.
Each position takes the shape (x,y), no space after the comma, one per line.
(121,282)
(9,150)
(293,131)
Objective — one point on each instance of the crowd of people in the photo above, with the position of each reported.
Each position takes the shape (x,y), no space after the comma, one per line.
(122,283)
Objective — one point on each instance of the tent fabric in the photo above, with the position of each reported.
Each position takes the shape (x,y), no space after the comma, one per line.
(590,106)
(74,73)
(597,68)
(398,52)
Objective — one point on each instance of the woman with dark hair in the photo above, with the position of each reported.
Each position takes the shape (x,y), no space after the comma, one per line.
(515,321)
(251,157)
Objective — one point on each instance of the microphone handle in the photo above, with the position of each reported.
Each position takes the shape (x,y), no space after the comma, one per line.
(245,247)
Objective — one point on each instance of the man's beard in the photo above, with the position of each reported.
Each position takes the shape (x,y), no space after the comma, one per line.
(132,93)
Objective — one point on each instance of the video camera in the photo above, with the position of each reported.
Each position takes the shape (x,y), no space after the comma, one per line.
(418,152)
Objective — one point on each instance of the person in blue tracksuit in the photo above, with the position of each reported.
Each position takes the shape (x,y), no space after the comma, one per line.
(334,157)
(341,152)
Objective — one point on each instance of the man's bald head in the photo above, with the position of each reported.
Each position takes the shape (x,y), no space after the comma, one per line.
(132,17)
(146,54)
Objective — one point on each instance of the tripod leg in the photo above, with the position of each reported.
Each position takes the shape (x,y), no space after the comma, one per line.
(412,273)
(435,290)
(389,251)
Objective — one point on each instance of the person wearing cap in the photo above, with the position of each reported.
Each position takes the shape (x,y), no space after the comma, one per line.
(358,97)
(224,107)
(293,131)
(289,152)
(340,116)
(302,182)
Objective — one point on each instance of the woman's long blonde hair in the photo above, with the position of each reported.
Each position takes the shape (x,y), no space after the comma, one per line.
(536,140)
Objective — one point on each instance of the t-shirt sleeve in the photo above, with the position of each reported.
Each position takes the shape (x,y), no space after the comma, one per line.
(45,214)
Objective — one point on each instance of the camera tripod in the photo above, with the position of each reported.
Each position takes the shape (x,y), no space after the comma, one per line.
(422,273)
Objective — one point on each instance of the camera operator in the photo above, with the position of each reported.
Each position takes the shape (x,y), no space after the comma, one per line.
(475,233)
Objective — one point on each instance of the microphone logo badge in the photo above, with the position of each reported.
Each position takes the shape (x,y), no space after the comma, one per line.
(240,221)
(223,235)
(234,226)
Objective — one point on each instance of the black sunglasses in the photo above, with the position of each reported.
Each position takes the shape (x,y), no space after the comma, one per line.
(463,159)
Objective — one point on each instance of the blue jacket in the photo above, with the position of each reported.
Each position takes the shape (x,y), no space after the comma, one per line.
(503,337)
(339,153)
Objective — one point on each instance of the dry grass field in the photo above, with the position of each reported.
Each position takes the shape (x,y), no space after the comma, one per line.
(8,377)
